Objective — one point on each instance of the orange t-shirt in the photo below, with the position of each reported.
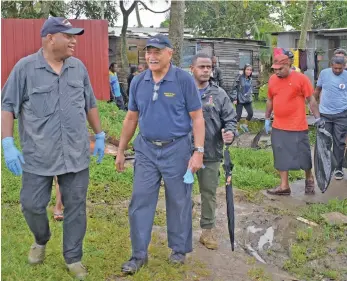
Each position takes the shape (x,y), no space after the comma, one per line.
(288,96)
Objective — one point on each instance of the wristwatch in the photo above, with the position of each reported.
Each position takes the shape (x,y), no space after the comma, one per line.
(199,149)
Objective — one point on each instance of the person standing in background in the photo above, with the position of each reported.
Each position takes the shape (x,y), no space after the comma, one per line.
(114,86)
(290,55)
(241,95)
(216,75)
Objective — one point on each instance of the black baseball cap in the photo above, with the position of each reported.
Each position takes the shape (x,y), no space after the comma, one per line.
(55,25)
(289,54)
(159,41)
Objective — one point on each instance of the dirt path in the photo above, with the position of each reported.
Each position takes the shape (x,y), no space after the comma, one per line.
(264,234)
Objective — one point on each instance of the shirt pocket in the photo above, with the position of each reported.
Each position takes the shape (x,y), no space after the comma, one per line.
(76,93)
(43,101)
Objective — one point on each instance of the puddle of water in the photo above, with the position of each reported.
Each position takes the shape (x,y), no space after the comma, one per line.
(268,237)
(253,229)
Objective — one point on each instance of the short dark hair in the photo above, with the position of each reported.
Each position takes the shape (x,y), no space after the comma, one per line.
(340,52)
(338,60)
(133,69)
(112,65)
(200,55)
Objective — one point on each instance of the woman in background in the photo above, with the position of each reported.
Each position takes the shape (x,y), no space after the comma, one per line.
(241,95)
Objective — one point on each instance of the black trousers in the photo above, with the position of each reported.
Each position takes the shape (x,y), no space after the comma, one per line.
(336,125)
(249,109)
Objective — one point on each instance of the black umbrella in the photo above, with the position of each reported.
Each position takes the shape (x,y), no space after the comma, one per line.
(228,168)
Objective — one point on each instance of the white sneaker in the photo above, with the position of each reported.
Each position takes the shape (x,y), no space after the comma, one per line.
(338,175)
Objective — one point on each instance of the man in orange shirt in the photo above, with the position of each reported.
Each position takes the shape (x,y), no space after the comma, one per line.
(287,92)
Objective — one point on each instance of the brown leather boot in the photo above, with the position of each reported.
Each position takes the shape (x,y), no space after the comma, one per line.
(208,239)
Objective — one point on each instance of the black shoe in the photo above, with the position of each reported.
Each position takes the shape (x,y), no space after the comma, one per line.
(133,265)
(177,258)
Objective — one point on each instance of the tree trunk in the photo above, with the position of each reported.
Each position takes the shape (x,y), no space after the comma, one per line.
(139,24)
(102,10)
(176,29)
(124,69)
(306,25)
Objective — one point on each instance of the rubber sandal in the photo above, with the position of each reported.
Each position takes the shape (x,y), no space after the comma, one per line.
(58,216)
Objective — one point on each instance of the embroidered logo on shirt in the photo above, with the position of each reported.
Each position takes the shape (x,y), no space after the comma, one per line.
(210,101)
(169,95)
(342,86)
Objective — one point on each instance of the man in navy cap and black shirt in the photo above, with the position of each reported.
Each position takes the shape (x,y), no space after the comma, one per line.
(165,102)
(51,95)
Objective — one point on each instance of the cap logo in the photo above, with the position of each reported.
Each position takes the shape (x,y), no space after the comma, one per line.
(66,22)
(155,39)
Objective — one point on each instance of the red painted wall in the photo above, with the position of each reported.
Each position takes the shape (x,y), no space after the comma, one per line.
(21,37)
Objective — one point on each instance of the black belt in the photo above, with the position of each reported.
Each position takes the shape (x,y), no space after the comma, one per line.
(162,143)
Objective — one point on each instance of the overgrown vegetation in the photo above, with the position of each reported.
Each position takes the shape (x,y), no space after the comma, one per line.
(317,252)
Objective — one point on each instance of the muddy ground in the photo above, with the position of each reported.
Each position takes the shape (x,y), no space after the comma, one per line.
(264,234)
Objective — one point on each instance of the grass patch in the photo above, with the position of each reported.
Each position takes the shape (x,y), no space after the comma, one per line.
(258,274)
(107,243)
(313,246)
(259,105)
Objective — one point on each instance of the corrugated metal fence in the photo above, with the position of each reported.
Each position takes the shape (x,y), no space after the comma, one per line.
(21,37)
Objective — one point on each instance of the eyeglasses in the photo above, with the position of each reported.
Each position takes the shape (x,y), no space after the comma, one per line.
(155,92)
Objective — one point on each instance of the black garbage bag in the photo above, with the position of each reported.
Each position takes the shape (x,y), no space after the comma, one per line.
(323,159)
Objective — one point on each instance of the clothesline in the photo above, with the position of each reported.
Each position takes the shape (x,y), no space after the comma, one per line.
(288,48)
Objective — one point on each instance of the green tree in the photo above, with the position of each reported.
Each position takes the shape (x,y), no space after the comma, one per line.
(73,9)
(326,14)
(227,18)
(32,9)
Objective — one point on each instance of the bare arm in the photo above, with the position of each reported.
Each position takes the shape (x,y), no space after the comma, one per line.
(94,120)
(198,127)
(269,108)
(128,130)
(317,93)
(6,124)
(313,106)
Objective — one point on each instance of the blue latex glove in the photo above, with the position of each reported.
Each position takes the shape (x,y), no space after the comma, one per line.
(99,147)
(13,157)
(188,177)
(267,126)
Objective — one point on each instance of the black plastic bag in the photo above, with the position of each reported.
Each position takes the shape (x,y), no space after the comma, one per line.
(323,159)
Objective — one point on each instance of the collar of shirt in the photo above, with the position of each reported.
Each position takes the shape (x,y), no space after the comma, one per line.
(169,76)
(42,63)
(202,91)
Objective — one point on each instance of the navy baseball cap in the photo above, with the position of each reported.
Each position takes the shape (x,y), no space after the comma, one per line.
(158,41)
(289,54)
(55,25)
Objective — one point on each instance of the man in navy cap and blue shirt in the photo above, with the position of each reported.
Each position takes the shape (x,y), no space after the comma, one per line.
(165,102)
(51,95)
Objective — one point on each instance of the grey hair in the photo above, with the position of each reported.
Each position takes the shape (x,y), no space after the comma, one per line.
(200,55)
(338,60)
(340,52)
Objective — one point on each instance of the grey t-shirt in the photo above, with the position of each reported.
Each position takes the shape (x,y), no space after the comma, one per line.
(51,110)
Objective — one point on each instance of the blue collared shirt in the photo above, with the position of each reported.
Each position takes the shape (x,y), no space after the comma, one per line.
(167,117)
